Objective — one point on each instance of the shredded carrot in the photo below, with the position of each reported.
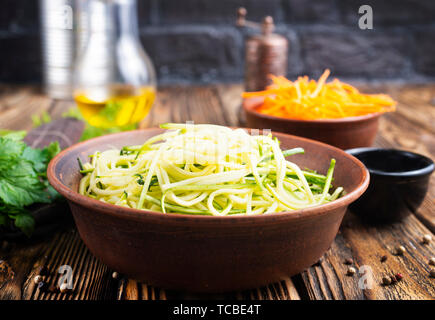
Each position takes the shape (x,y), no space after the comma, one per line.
(306,99)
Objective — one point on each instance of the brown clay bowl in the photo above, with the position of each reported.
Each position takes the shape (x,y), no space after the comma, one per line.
(345,133)
(207,253)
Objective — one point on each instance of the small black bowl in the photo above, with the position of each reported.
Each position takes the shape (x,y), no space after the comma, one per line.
(398,183)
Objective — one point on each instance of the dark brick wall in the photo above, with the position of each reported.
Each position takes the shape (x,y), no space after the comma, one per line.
(196,41)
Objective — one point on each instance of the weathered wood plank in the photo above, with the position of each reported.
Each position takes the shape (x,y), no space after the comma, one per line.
(91,279)
(13,96)
(230,96)
(369,244)
(365,245)
(163,108)
(17,108)
(19,259)
(60,107)
(199,104)
(283,290)
(416,104)
(417,140)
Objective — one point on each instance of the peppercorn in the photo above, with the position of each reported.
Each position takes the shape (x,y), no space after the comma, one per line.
(351,271)
(427,238)
(384,258)
(400,250)
(64,288)
(348,261)
(386,280)
(432,261)
(37,279)
(42,286)
(432,272)
(115,275)
(398,276)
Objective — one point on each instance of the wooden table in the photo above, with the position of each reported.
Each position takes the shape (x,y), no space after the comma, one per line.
(412,127)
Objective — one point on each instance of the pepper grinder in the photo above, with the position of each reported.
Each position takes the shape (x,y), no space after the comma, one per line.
(265,53)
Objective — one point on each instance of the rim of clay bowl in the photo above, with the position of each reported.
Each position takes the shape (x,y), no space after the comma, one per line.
(257,101)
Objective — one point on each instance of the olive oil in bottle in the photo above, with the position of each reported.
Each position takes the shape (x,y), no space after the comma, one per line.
(119,106)
(114,79)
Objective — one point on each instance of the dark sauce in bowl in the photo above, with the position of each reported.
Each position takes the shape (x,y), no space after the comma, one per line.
(398,183)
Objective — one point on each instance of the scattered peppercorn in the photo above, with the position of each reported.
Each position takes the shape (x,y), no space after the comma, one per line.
(351,271)
(37,279)
(348,261)
(432,261)
(42,286)
(386,280)
(64,288)
(115,275)
(427,238)
(398,276)
(432,272)
(400,250)
(384,258)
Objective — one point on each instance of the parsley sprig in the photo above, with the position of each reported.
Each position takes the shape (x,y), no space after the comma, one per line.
(23,179)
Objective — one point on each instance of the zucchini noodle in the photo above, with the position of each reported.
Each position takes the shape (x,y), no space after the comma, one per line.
(205,170)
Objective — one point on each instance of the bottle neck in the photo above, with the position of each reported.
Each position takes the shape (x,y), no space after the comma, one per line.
(115,17)
(126,17)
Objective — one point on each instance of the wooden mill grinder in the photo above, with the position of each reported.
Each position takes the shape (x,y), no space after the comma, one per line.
(266,53)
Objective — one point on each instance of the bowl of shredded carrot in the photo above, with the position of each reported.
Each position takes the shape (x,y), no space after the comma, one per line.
(332,112)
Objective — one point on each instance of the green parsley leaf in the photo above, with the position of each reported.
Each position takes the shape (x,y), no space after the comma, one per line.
(23,179)
(41,119)
(9,151)
(36,157)
(12,135)
(73,113)
(52,150)
(21,186)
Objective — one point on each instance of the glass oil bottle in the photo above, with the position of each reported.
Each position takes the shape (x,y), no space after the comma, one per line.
(114,80)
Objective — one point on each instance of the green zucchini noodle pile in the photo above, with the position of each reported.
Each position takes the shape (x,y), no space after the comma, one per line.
(205,170)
